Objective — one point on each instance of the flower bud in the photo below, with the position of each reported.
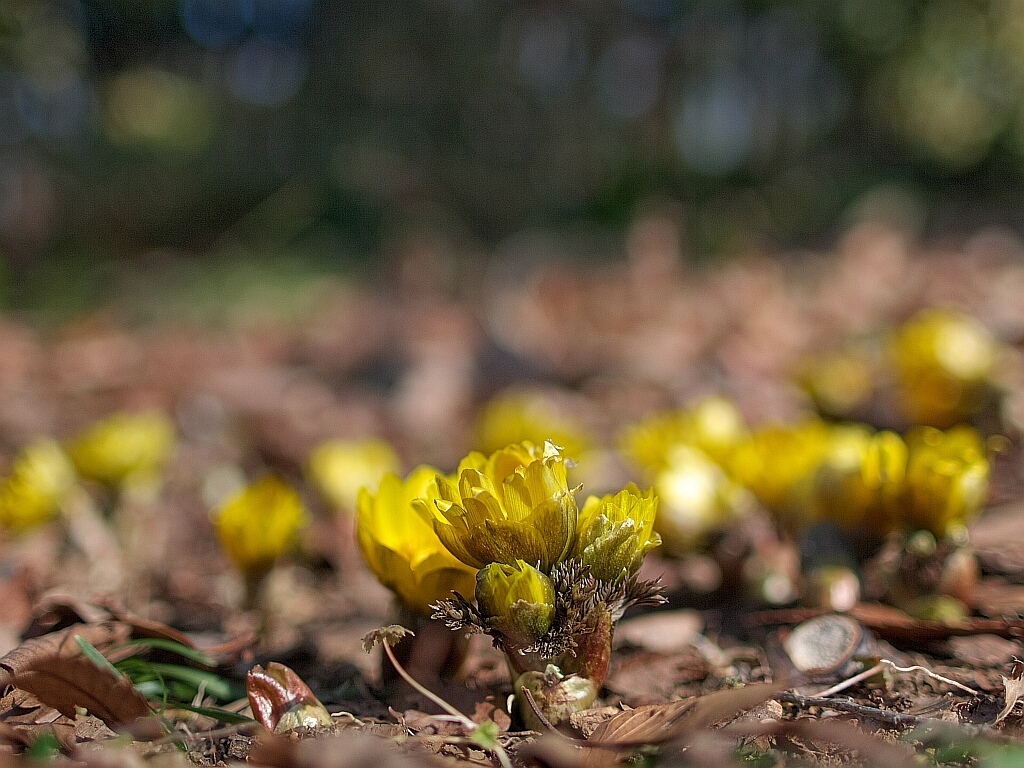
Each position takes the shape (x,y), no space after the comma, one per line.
(616,532)
(518,601)
(714,426)
(555,695)
(947,478)
(696,498)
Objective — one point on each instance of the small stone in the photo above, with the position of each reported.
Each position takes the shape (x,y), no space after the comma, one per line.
(824,643)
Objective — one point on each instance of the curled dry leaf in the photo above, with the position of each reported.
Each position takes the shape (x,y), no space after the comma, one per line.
(660,723)
(23,719)
(54,669)
(1014,691)
(281,701)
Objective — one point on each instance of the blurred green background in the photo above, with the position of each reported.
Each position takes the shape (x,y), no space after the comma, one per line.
(306,134)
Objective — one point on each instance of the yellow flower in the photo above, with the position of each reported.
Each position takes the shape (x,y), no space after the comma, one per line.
(861,482)
(400,546)
(340,468)
(947,478)
(778,464)
(943,362)
(696,498)
(521,416)
(517,600)
(515,504)
(713,425)
(615,533)
(260,524)
(40,479)
(123,446)
(838,382)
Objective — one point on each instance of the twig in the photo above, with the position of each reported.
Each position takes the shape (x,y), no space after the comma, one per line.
(933,675)
(536,711)
(896,719)
(459,717)
(867,673)
(465,722)
(852,681)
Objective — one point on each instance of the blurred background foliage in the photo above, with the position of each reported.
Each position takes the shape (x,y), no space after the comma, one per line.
(151,131)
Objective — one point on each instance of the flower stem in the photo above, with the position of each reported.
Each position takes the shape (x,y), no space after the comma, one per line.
(466,723)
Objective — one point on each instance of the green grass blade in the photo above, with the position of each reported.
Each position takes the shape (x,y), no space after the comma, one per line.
(92,654)
(214,685)
(216,713)
(171,646)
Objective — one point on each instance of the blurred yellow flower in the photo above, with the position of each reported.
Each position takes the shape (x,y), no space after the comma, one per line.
(40,479)
(616,532)
(517,600)
(778,463)
(838,382)
(696,498)
(124,446)
(340,468)
(861,482)
(714,425)
(515,504)
(260,523)
(528,416)
(400,546)
(947,478)
(943,362)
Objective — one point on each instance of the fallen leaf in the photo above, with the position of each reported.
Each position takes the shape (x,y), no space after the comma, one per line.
(54,669)
(24,718)
(1013,687)
(659,723)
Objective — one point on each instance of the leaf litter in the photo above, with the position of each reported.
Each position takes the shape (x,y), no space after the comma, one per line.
(710,680)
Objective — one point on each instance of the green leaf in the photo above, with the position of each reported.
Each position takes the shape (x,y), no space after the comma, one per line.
(44,748)
(171,646)
(485,735)
(92,654)
(216,713)
(214,685)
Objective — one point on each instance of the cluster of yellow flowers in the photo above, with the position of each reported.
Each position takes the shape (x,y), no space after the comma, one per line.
(500,528)
(940,364)
(813,471)
(683,454)
(123,449)
(549,578)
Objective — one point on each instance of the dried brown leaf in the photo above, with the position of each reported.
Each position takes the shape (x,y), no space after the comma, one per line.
(54,669)
(1014,691)
(659,723)
(23,719)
